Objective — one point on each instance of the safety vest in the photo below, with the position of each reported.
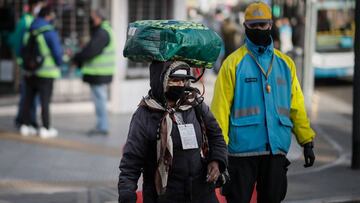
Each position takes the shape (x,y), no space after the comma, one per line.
(49,68)
(104,63)
(256,119)
(28,20)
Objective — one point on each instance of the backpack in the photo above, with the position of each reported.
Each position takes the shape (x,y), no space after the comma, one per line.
(30,52)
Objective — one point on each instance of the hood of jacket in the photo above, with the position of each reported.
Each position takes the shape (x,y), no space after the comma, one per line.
(161,72)
(157,71)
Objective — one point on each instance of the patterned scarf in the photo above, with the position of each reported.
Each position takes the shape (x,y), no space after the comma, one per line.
(164,142)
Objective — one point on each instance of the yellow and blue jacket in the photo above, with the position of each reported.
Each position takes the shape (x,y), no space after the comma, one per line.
(253,120)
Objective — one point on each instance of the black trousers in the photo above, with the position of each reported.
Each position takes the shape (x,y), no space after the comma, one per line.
(43,87)
(196,190)
(267,171)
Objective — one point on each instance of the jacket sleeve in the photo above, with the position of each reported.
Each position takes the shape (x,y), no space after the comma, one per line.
(99,40)
(223,94)
(53,41)
(217,145)
(301,129)
(132,160)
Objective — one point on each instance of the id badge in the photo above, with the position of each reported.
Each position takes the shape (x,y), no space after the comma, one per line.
(188,136)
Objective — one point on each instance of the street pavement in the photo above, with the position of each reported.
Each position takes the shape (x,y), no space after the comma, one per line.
(76,168)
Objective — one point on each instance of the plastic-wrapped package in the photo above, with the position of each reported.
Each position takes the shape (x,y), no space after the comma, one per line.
(164,40)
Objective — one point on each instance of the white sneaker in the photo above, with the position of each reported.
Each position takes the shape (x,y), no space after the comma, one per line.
(47,133)
(26,130)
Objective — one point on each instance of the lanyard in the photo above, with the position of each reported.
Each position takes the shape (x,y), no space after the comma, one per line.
(266,74)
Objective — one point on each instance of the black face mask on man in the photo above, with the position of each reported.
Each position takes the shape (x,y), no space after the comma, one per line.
(259,37)
(174,92)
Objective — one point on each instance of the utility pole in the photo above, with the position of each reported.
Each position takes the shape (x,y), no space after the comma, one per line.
(309,48)
(355,163)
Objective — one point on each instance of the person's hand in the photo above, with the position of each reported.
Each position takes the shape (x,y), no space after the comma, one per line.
(309,155)
(213,171)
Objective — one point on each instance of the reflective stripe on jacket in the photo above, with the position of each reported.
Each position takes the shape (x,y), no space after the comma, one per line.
(49,68)
(104,63)
(253,121)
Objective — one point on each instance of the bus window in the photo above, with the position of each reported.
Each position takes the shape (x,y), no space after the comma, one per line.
(335,30)
(334,56)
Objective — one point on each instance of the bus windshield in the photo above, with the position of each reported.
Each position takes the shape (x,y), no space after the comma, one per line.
(336,26)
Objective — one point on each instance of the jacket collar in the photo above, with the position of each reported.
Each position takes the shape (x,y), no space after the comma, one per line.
(38,22)
(259,50)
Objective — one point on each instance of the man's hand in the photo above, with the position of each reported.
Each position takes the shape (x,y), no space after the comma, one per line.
(213,172)
(309,154)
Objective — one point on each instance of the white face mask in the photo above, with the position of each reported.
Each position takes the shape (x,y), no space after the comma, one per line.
(36,10)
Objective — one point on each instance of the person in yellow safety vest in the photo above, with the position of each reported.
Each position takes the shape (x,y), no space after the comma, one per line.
(41,81)
(16,41)
(97,63)
(258,103)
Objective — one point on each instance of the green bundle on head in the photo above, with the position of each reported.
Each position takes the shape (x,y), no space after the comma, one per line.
(164,40)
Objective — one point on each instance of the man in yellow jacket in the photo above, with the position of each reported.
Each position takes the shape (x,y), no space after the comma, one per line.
(258,102)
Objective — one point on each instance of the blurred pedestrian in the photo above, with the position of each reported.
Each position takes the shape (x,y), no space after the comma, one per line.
(298,36)
(97,63)
(258,102)
(174,141)
(275,33)
(41,81)
(286,33)
(229,34)
(16,42)
(215,23)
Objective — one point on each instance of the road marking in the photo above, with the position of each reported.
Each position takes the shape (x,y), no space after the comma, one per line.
(25,186)
(295,150)
(329,200)
(342,157)
(315,106)
(64,144)
(340,151)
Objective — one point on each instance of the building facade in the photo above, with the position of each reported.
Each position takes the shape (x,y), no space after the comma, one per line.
(130,82)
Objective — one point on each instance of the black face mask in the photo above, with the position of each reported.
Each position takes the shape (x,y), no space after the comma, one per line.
(175,92)
(259,37)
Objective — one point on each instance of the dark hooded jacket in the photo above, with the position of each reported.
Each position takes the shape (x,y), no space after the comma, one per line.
(187,176)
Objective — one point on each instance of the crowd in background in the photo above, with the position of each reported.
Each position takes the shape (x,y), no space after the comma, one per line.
(287,32)
(39,53)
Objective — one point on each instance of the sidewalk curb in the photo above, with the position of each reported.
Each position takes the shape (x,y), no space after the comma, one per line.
(341,199)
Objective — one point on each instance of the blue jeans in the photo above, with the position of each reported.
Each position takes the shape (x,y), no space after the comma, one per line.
(99,97)
(19,120)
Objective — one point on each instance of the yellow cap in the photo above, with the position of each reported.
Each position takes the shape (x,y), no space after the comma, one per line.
(258,12)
